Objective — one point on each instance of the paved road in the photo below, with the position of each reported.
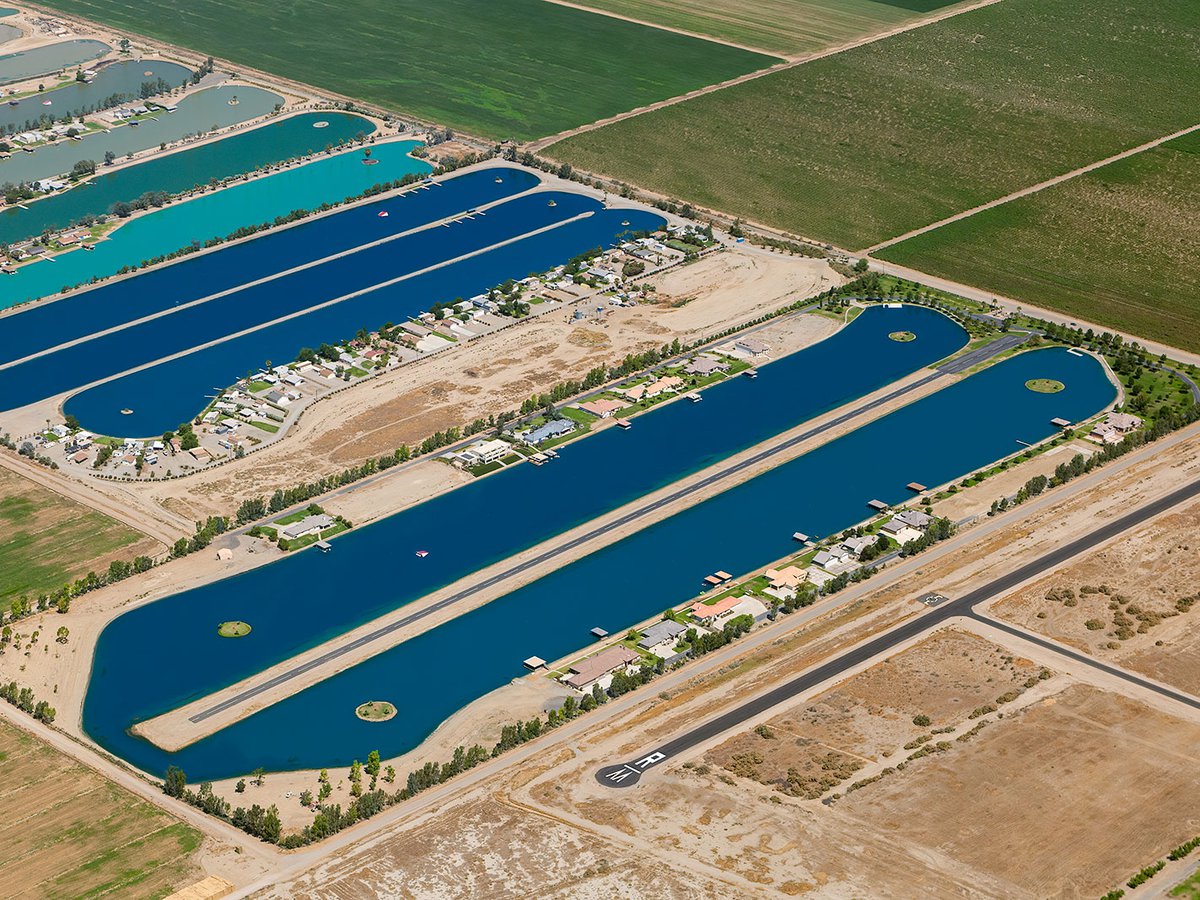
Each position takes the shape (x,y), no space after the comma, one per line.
(952,367)
(627,774)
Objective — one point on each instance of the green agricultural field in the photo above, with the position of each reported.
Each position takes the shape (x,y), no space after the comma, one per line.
(47,540)
(790,27)
(1117,246)
(519,69)
(874,142)
(71,833)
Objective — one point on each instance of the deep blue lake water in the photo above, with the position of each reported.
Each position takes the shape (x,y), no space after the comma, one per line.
(177,172)
(48,325)
(165,394)
(249,307)
(668,443)
(934,440)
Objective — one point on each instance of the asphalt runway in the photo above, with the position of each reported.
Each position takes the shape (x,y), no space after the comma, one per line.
(627,774)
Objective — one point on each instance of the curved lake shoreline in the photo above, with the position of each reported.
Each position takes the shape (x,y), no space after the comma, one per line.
(745,527)
(670,442)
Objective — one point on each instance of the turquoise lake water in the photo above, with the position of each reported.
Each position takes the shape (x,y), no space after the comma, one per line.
(326,180)
(196,112)
(138,674)
(240,152)
(48,59)
(73,99)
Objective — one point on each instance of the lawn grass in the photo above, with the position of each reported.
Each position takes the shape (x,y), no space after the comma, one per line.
(790,27)
(1116,246)
(869,144)
(519,69)
(1189,888)
(80,835)
(47,540)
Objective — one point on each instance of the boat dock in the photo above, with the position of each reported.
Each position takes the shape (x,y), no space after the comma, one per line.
(877,505)
(751,373)
(599,633)
(1060,422)
(624,423)
(694,397)
(323,546)
(800,536)
(534,662)
(916,487)
(717,578)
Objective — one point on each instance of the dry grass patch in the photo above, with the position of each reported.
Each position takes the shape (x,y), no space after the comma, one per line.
(891,709)
(1135,602)
(1066,797)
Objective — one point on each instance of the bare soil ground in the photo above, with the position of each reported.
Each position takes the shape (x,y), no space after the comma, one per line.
(1134,603)
(455,854)
(977,499)
(808,750)
(1066,798)
(494,374)
(67,832)
(751,839)
(1022,808)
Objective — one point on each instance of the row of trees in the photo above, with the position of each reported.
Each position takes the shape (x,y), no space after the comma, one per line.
(23,699)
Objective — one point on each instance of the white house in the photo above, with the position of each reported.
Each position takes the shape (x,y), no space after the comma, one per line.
(485,452)
(306,526)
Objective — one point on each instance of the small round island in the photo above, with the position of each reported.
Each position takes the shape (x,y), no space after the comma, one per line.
(902,337)
(375,711)
(233,629)
(1044,385)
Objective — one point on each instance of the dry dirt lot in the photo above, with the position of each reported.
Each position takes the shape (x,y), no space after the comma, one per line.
(818,746)
(493,374)
(1033,802)
(67,832)
(1134,603)
(491,848)
(1023,808)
